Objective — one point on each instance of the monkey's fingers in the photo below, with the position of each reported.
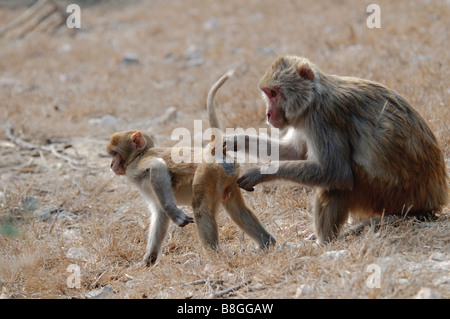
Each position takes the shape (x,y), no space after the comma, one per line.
(187,220)
(244,183)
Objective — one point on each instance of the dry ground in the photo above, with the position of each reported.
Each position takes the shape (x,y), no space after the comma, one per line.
(55,88)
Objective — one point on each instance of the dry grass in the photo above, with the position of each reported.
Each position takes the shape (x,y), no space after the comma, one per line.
(51,85)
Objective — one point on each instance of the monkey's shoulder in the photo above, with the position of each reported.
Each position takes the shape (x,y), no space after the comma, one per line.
(369,91)
(158,152)
(181,172)
(163,155)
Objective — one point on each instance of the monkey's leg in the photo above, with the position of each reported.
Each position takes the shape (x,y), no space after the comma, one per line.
(309,173)
(243,216)
(205,202)
(204,216)
(330,213)
(159,223)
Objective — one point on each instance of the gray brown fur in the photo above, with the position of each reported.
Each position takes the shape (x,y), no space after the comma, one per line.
(164,184)
(364,147)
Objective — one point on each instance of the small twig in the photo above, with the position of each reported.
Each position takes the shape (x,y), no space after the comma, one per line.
(41,154)
(54,221)
(26,15)
(129,277)
(17,140)
(10,135)
(204,281)
(66,158)
(56,216)
(96,281)
(226,291)
(40,17)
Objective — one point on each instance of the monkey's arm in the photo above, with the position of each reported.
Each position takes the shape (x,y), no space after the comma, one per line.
(310,173)
(159,184)
(279,149)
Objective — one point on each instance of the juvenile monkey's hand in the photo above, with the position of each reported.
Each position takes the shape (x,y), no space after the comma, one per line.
(181,219)
(251,178)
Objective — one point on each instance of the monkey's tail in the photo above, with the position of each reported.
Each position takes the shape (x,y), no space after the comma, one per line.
(213,121)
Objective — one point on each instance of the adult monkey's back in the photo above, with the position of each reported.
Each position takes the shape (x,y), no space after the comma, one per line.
(363,146)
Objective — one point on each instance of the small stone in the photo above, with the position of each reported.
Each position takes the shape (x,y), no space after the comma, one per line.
(438,256)
(130,58)
(50,213)
(79,253)
(104,292)
(267,50)
(195,62)
(66,216)
(131,283)
(211,24)
(427,293)
(334,254)
(8,229)
(193,52)
(41,214)
(30,203)
(71,234)
(170,57)
(194,56)
(303,290)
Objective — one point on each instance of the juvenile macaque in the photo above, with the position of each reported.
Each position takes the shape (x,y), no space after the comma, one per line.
(364,148)
(165,183)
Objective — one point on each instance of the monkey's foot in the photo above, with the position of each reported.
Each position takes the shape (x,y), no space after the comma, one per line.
(148,260)
(144,263)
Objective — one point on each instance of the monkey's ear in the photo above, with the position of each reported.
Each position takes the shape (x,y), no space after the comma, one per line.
(138,141)
(305,72)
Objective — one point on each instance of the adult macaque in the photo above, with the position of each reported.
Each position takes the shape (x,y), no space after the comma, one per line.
(364,148)
(165,183)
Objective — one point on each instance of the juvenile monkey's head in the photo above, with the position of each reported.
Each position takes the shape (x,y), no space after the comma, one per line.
(288,88)
(124,147)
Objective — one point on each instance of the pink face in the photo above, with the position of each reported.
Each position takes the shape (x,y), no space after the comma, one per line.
(274,116)
(117,163)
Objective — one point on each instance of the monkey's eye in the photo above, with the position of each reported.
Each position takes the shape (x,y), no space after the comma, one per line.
(112,153)
(273,93)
